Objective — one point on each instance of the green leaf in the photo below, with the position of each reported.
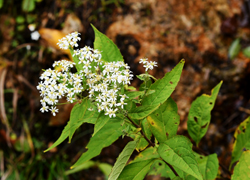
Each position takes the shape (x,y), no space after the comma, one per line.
(20,19)
(147,154)
(242,140)
(177,151)
(28,5)
(242,169)
(136,171)
(177,178)
(1,4)
(142,111)
(146,128)
(122,160)
(142,144)
(109,51)
(145,85)
(234,49)
(130,106)
(133,94)
(168,115)
(161,168)
(105,168)
(164,87)
(200,114)
(246,51)
(157,128)
(79,115)
(83,166)
(101,121)
(103,138)
(208,165)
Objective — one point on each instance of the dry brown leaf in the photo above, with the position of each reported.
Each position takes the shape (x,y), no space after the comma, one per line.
(52,36)
(7,25)
(72,24)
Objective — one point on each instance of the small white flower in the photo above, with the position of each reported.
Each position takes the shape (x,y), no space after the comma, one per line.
(54,111)
(44,108)
(121,104)
(35,35)
(143,60)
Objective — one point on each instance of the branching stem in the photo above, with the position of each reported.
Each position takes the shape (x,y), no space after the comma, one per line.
(137,126)
(151,144)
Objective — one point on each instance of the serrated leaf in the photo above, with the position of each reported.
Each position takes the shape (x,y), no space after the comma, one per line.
(104,137)
(142,144)
(157,128)
(168,115)
(208,165)
(101,121)
(200,114)
(130,106)
(164,87)
(109,51)
(242,169)
(122,160)
(177,151)
(133,94)
(146,128)
(28,5)
(149,153)
(142,111)
(246,51)
(79,115)
(159,167)
(136,171)
(234,49)
(242,140)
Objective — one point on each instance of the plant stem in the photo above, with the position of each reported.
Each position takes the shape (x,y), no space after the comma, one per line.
(137,126)
(151,144)
(171,167)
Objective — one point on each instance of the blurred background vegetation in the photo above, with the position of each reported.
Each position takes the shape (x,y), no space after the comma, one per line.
(212,36)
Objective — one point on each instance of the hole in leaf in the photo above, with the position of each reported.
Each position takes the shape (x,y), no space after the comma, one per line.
(170,82)
(152,123)
(211,103)
(204,126)
(160,164)
(167,134)
(195,119)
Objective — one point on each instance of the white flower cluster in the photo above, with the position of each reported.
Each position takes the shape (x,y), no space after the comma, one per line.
(104,85)
(54,85)
(148,65)
(102,80)
(69,40)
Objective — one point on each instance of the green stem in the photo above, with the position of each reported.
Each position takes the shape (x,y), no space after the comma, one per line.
(171,167)
(151,144)
(137,126)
